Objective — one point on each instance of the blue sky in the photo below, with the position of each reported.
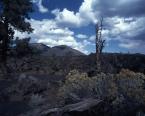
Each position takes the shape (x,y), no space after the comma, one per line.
(72,23)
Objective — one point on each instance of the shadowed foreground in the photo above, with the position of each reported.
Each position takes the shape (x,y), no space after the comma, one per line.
(73,95)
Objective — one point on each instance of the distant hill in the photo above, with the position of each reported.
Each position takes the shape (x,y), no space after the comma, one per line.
(39,46)
(42,59)
(68,59)
(61,50)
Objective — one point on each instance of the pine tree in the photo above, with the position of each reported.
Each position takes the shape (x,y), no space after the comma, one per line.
(12,17)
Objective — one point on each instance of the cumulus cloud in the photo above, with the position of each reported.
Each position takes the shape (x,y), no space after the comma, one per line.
(124,22)
(91,10)
(82,36)
(129,27)
(42,9)
(83,17)
(86,42)
(92,38)
(48,32)
(121,8)
(67,18)
(129,45)
(129,32)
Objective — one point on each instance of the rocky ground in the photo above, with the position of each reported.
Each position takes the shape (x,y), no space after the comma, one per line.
(21,93)
(41,85)
(72,95)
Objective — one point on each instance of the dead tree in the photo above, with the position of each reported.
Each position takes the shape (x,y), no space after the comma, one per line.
(99,44)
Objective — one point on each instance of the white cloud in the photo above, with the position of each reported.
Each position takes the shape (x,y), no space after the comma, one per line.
(87,8)
(48,32)
(124,30)
(129,44)
(92,38)
(122,2)
(127,31)
(42,9)
(83,17)
(86,42)
(68,18)
(82,36)
(128,27)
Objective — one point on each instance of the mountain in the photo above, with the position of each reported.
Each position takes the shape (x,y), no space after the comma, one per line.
(61,50)
(39,47)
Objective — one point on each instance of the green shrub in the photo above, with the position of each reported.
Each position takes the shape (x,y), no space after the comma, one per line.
(105,86)
(131,85)
(78,84)
(127,84)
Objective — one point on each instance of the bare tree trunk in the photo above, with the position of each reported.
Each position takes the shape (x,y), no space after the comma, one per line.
(97,49)
(99,44)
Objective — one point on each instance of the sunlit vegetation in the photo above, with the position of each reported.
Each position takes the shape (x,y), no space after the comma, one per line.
(127,84)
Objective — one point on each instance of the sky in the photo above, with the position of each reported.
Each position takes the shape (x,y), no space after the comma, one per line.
(72,23)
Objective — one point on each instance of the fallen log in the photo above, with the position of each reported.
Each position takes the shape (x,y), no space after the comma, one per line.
(83,106)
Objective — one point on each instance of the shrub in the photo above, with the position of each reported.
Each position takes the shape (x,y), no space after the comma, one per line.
(77,85)
(131,85)
(127,84)
(105,86)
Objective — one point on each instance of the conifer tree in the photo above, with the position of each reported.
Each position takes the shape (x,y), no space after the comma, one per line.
(13,15)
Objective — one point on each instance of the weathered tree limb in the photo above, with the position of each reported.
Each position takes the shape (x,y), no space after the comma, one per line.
(82,106)
(99,44)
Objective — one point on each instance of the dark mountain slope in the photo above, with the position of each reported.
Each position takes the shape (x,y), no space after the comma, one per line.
(39,46)
(61,50)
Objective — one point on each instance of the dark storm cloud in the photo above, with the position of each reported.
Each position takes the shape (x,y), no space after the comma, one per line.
(136,9)
(140,36)
(124,20)
(122,8)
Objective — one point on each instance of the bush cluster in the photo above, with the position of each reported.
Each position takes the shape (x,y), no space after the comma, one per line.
(77,85)
(125,85)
